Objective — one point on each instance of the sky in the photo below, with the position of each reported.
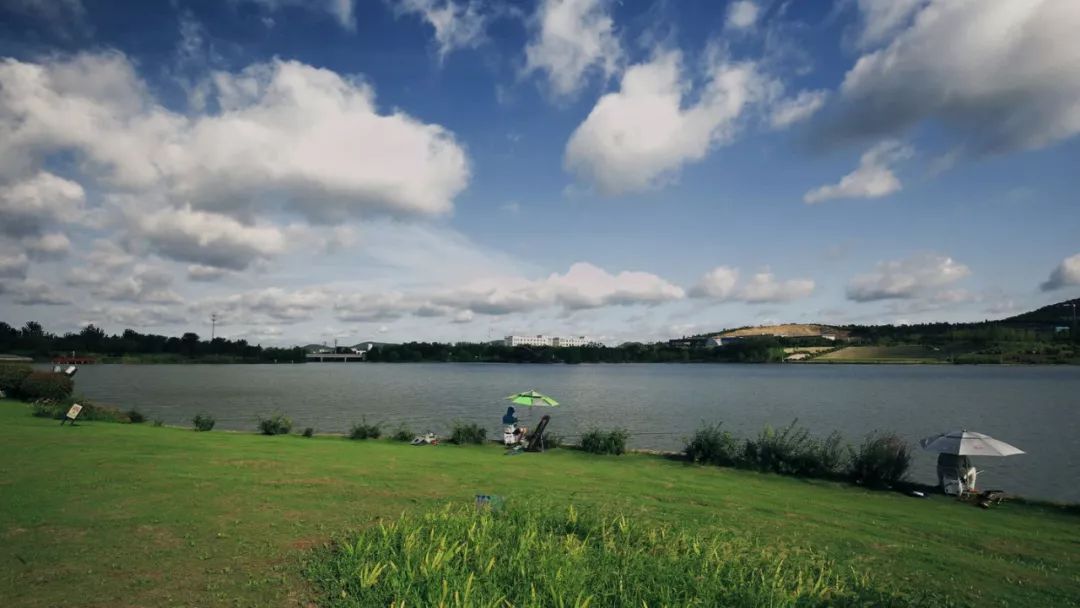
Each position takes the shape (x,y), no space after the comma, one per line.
(393,170)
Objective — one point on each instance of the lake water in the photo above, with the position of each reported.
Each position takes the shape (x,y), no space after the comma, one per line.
(1034,408)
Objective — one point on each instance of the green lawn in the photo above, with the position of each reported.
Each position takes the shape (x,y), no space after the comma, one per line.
(131,515)
(909,353)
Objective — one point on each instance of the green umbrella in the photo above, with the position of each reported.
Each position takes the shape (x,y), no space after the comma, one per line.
(532,398)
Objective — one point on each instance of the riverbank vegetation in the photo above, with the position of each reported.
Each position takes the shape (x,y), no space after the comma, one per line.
(120,514)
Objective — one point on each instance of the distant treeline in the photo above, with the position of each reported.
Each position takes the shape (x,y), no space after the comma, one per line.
(32,340)
(763,350)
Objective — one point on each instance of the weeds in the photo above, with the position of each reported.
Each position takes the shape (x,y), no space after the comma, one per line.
(544,556)
(882,459)
(711,445)
(597,441)
(203,422)
(135,417)
(363,430)
(470,432)
(278,424)
(309,432)
(402,433)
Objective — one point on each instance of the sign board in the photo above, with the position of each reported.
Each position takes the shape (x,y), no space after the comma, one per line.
(74,411)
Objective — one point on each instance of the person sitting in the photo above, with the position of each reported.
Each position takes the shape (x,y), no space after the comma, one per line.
(512,433)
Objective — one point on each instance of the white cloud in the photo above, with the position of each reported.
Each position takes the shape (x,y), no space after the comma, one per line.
(13,266)
(1004,75)
(722,283)
(267,306)
(29,206)
(145,285)
(32,292)
(907,278)
(570,40)
(51,246)
(340,10)
(1066,274)
(872,179)
(797,109)
(742,14)
(284,134)
(881,19)
(641,135)
(142,316)
(457,24)
(198,272)
(209,239)
(718,283)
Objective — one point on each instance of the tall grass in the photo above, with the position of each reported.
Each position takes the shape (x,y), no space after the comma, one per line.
(457,557)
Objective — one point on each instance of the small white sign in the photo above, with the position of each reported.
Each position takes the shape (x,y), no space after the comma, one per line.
(74,411)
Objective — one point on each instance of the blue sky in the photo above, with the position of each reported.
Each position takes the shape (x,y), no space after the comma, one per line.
(465,169)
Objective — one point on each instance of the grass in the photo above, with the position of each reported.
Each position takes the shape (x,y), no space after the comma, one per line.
(911,353)
(132,515)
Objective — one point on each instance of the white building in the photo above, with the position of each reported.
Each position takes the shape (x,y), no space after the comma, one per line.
(555,341)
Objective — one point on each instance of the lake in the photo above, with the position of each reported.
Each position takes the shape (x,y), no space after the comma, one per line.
(1034,408)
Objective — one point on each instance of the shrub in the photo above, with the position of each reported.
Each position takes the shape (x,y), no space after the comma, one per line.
(552,441)
(597,441)
(136,417)
(882,459)
(159,422)
(363,430)
(403,433)
(710,445)
(309,432)
(12,376)
(45,385)
(278,424)
(470,432)
(576,558)
(48,409)
(203,422)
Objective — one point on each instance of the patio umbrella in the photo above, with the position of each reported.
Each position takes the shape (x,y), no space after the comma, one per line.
(968,443)
(532,399)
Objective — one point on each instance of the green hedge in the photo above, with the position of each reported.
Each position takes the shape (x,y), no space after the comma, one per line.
(50,386)
(12,376)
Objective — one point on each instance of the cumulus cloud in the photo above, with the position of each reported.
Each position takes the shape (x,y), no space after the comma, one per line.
(31,205)
(283,133)
(52,246)
(141,316)
(145,285)
(907,278)
(1066,274)
(571,39)
(13,266)
(881,19)
(457,24)
(207,239)
(268,306)
(206,274)
(1003,75)
(796,109)
(722,283)
(32,292)
(642,134)
(583,286)
(742,14)
(872,179)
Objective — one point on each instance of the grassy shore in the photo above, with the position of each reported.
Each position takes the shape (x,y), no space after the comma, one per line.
(132,515)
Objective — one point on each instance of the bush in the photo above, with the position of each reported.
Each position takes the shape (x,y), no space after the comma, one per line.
(45,385)
(12,376)
(710,445)
(136,417)
(309,432)
(48,409)
(793,451)
(203,422)
(882,459)
(159,422)
(597,441)
(403,433)
(567,557)
(552,441)
(277,424)
(471,432)
(363,430)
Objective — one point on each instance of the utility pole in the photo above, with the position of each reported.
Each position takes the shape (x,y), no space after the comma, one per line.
(213,325)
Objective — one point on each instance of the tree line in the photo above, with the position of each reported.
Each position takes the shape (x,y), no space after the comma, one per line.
(34,341)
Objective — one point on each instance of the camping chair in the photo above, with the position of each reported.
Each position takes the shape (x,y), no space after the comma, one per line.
(536,440)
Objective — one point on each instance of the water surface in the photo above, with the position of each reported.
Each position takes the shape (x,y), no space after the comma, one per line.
(1032,407)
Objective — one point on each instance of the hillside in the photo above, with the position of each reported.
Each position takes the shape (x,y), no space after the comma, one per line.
(1060,313)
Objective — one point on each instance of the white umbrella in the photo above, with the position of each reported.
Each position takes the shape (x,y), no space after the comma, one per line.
(968,443)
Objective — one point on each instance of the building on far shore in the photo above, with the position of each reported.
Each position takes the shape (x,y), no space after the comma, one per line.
(555,341)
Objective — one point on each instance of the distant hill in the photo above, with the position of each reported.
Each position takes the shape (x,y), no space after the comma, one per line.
(1054,314)
(788,330)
